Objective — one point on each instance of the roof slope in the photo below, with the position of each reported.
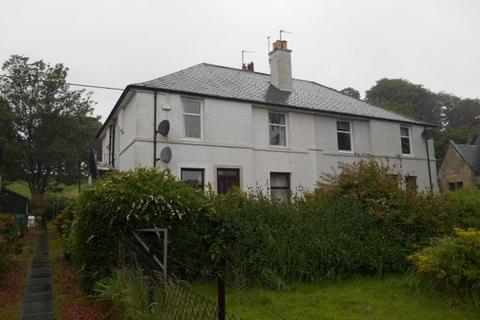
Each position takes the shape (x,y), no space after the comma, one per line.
(223,82)
(470,153)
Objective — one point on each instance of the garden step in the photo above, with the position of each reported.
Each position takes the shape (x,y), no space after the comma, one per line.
(37,300)
(39,288)
(42,296)
(33,308)
(41,270)
(39,316)
(41,275)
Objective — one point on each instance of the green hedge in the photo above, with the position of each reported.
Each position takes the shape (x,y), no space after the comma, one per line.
(364,223)
(122,202)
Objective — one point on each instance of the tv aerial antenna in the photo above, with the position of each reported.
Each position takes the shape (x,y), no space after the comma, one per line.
(284,31)
(243,56)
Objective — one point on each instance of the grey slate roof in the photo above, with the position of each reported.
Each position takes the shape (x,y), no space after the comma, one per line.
(470,153)
(223,82)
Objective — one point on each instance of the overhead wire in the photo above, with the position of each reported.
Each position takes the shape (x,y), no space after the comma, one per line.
(93,86)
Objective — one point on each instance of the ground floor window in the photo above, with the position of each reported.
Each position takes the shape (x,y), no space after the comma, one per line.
(280,186)
(227,178)
(411,183)
(452,186)
(193,177)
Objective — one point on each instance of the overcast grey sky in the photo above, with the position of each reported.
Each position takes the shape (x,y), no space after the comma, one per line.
(337,43)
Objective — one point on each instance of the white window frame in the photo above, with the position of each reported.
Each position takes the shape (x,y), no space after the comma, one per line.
(285,114)
(409,140)
(183,113)
(342,131)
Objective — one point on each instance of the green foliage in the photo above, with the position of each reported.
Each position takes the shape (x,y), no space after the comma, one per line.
(460,135)
(36,98)
(452,264)
(463,207)
(9,233)
(128,293)
(364,223)
(349,91)
(4,264)
(402,96)
(119,203)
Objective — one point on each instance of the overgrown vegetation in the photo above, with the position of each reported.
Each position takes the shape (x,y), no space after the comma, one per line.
(363,224)
(9,241)
(452,265)
(120,203)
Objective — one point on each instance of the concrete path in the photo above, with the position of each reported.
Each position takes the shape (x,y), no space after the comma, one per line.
(37,300)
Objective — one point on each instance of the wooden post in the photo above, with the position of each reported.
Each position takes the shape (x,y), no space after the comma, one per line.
(221,297)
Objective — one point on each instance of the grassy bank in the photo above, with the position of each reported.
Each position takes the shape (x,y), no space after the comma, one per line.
(368,298)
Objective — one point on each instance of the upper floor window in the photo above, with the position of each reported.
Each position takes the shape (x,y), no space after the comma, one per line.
(278,128)
(192,118)
(405,140)
(344,135)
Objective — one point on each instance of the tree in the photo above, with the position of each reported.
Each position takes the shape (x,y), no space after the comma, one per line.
(459,112)
(349,91)
(8,147)
(459,134)
(48,119)
(405,97)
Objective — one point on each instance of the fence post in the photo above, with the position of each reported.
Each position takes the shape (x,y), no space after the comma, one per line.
(221,297)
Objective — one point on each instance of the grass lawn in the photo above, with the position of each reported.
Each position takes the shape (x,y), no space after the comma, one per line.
(369,299)
(21,187)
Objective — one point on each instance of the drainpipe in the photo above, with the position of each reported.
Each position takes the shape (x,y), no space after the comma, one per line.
(155,129)
(428,161)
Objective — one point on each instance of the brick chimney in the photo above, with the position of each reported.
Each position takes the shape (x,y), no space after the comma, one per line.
(248,67)
(281,66)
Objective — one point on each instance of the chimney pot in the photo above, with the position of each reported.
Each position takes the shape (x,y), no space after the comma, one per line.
(251,67)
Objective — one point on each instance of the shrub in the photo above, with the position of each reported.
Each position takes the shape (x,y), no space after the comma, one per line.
(363,223)
(463,206)
(4,264)
(9,233)
(452,264)
(119,203)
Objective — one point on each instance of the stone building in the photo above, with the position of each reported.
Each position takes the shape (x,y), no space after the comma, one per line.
(461,165)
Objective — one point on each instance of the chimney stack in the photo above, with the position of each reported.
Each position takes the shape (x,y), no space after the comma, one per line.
(248,67)
(281,66)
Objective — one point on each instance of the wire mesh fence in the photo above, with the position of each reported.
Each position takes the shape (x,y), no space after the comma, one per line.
(170,296)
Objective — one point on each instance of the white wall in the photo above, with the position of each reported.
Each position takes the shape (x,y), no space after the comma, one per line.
(236,134)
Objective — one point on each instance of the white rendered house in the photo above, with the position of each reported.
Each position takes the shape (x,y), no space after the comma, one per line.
(239,127)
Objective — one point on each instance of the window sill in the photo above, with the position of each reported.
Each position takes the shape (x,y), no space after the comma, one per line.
(279,147)
(193,139)
(408,155)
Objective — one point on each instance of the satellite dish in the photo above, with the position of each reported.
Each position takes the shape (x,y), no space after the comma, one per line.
(166,154)
(428,134)
(164,127)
